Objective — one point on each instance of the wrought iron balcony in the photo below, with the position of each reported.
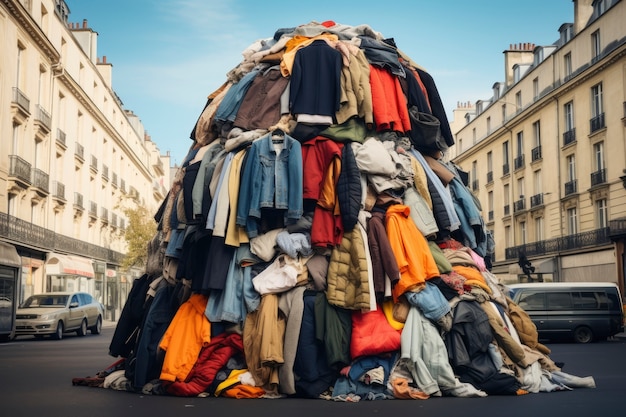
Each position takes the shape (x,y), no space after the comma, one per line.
(571,187)
(93,209)
(489,177)
(78,201)
(58,190)
(43,118)
(596,123)
(490,215)
(21,100)
(79,152)
(519,205)
(598,237)
(93,164)
(598,177)
(61,138)
(536,200)
(536,153)
(519,162)
(40,180)
(569,137)
(19,170)
(507,209)
(506,169)
(474,185)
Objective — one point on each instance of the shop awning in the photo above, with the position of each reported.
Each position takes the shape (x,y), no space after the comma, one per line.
(9,256)
(58,264)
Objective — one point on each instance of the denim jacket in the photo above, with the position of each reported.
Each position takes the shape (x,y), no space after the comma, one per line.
(270,180)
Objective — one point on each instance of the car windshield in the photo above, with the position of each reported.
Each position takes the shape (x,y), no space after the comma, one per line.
(44,300)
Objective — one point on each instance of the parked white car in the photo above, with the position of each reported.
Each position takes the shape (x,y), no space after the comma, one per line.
(57,313)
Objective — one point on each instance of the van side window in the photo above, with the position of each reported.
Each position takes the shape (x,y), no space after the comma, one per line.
(531,300)
(585,300)
(559,300)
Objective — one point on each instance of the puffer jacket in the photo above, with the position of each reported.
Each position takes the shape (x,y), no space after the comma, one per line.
(347,279)
(211,359)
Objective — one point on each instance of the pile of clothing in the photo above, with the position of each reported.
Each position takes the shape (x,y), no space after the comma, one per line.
(316,243)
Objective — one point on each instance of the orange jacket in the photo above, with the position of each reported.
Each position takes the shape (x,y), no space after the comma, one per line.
(188,331)
(415,261)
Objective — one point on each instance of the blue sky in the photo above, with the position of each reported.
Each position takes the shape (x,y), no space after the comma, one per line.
(168,56)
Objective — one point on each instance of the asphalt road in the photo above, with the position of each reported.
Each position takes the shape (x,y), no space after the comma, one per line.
(36,375)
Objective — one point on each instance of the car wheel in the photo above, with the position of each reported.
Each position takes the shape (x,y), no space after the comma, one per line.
(59,333)
(97,328)
(583,334)
(82,330)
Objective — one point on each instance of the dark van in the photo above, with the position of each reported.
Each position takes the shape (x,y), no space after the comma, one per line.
(584,311)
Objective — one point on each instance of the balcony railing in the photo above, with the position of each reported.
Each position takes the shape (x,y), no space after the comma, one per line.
(571,187)
(21,100)
(536,200)
(20,169)
(58,190)
(570,242)
(79,152)
(78,201)
(43,117)
(489,177)
(596,123)
(93,209)
(507,209)
(490,215)
(506,169)
(40,179)
(93,164)
(598,177)
(14,229)
(536,153)
(519,162)
(519,205)
(61,138)
(474,185)
(569,137)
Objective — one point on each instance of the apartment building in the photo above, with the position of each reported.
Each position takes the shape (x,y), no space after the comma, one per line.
(71,156)
(546,151)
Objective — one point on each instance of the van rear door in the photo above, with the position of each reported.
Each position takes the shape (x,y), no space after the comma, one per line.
(533,301)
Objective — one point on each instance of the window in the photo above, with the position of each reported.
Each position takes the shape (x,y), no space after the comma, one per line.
(507,236)
(569,116)
(537,132)
(505,157)
(490,203)
(598,154)
(537,181)
(489,125)
(489,167)
(599,8)
(572,221)
(538,229)
(518,101)
(520,187)
(536,88)
(506,193)
(520,143)
(584,300)
(522,232)
(571,167)
(596,48)
(532,300)
(602,213)
(559,300)
(596,100)
(503,113)
(567,65)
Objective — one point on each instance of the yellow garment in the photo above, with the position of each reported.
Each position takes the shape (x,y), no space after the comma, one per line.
(421,181)
(235,235)
(388,310)
(233,379)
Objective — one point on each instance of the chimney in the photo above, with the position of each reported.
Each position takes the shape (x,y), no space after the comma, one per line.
(85,24)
